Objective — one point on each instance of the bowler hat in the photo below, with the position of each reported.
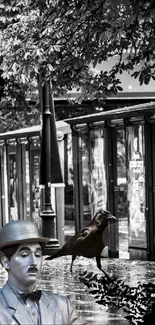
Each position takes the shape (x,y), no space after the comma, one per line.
(16,232)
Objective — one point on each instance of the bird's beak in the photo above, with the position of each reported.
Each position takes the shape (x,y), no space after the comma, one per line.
(111,218)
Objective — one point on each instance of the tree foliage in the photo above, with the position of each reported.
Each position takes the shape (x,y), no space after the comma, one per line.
(68,38)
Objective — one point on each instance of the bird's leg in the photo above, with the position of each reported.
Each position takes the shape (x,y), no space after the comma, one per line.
(98,261)
(73,258)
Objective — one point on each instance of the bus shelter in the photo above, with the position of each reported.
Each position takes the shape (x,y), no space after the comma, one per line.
(107,161)
(21,196)
(114,168)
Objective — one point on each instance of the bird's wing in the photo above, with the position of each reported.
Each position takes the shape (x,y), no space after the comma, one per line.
(78,238)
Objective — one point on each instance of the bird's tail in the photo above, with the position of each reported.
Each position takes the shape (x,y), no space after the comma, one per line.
(55,255)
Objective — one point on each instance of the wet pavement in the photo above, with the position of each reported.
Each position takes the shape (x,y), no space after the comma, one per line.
(56,276)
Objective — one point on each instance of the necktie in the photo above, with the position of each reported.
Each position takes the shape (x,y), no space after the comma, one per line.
(34,295)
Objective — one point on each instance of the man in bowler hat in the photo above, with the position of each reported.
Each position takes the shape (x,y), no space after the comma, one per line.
(20,303)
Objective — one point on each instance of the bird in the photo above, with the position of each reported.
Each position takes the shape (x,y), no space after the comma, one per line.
(88,241)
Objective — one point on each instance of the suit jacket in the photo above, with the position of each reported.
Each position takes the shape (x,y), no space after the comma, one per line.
(54,310)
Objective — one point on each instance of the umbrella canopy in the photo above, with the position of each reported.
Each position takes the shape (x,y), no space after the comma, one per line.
(50,168)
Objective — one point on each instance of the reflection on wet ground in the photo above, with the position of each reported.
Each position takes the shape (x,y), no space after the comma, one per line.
(57,277)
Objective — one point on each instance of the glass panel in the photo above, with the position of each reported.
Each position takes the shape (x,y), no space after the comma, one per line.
(98,172)
(69,205)
(12,172)
(136,186)
(122,203)
(27,168)
(86,177)
(35,188)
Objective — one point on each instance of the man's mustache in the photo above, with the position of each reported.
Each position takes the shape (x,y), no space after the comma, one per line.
(32,268)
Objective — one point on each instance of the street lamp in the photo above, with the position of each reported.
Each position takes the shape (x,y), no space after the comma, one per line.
(50,169)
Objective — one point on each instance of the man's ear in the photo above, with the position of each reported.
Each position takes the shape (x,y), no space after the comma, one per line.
(5,262)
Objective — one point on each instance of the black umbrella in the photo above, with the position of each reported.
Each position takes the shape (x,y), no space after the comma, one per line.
(50,168)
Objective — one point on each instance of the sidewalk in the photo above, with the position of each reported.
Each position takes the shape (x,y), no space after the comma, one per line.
(57,277)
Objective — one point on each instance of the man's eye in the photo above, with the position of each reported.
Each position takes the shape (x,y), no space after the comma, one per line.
(38,254)
(24,254)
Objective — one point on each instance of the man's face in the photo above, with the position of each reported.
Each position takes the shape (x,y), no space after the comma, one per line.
(24,267)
